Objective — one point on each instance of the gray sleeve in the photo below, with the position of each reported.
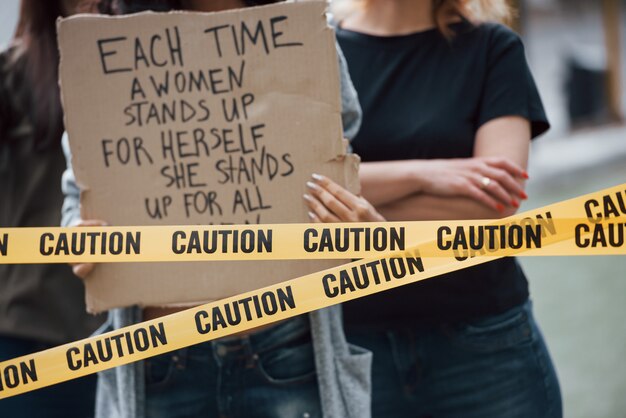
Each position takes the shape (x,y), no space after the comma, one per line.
(350,107)
(71,191)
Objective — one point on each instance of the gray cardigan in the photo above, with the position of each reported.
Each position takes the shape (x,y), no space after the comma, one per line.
(343,370)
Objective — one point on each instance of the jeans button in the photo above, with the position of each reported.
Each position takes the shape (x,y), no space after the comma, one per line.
(221,350)
(177,363)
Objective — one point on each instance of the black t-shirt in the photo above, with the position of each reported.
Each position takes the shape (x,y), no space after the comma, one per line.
(424,97)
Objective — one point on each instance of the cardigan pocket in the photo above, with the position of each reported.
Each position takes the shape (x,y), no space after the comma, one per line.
(354,370)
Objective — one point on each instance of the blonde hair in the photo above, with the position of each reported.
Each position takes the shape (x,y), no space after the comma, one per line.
(473,10)
(490,10)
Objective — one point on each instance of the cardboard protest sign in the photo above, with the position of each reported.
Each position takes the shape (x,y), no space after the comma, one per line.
(200,118)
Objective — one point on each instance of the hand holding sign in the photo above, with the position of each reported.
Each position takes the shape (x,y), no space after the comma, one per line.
(329,202)
(83,270)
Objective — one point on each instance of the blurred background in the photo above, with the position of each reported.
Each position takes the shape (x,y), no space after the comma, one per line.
(577,51)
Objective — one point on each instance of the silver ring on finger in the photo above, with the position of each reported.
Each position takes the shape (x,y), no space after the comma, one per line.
(485,182)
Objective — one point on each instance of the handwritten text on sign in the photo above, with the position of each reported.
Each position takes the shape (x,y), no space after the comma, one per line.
(225,139)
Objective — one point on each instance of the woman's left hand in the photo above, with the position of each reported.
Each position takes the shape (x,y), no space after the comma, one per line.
(329,202)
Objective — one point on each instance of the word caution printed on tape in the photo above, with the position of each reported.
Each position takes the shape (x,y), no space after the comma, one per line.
(393,254)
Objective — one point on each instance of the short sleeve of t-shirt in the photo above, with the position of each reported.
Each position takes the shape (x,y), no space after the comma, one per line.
(509,88)
(437,92)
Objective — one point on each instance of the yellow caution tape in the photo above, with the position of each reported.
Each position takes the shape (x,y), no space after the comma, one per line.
(583,226)
(593,229)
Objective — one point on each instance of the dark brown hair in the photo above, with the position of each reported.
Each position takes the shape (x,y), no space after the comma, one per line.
(133,6)
(36,60)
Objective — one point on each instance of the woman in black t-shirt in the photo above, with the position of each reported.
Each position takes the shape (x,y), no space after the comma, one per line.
(449,109)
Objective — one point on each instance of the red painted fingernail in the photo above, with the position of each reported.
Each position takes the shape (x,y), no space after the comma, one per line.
(525,174)
(515,203)
(500,207)
(523,195)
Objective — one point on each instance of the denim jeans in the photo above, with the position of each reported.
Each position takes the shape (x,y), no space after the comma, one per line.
(496,366)
(267,374)
(73,399)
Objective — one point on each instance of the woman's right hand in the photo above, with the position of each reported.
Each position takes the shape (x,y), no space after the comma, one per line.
(492,181)
(83,270)
(330,202)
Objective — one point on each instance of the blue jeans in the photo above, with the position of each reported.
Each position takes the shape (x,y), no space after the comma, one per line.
(73,399)
(496,366)
(267,374)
